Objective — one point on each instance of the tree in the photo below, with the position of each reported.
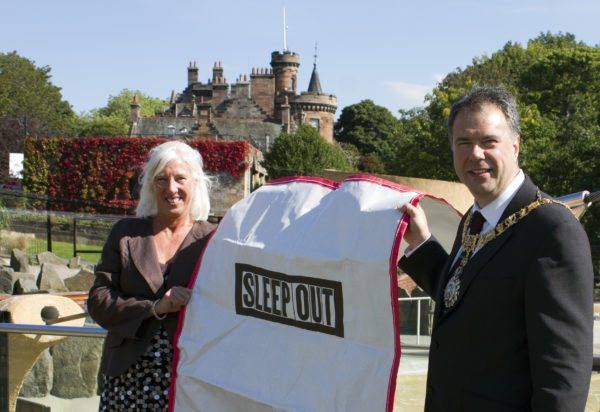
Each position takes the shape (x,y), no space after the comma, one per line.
(114,118)
(556,81)
(26,94)
(120,105)
(303,153)
(103,126)
(371,128)
(352,154)
(370,164)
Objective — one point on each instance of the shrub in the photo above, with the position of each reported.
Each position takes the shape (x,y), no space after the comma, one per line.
(98,172)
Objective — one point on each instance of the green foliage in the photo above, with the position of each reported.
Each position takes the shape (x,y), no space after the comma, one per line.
(556,81)
(352,154)
(104,126)
(371,128)
(4,216)
(303,153)
(95,174)
(370,164)
(27,93)
(120,105)
(113,119)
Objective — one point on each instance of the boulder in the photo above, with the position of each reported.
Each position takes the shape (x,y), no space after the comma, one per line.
(74,263)
(51,277)
(6,279)
(76,361)
(49,257)
(82,281)
(25,285)
(19,261)
(38,381)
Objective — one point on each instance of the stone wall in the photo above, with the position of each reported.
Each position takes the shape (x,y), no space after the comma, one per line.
(68,369)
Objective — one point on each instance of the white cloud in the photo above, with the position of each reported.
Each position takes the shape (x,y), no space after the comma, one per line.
(401,95)
(439,77)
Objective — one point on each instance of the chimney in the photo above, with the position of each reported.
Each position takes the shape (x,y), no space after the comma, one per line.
(192,73)
(285,114)
(135,109)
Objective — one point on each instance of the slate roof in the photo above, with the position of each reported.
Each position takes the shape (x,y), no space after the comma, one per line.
(315,85)
(158,126)
(255,131)
(240,107)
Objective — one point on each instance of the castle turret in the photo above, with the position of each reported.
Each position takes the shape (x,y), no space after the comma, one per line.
(316,108)
(285,66)
(315,85)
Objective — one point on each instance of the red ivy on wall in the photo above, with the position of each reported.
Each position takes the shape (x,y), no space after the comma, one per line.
(97,172)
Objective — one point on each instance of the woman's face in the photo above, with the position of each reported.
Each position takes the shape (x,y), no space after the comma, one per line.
(174,188)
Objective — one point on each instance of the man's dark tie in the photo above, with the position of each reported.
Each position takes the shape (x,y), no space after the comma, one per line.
(475,226)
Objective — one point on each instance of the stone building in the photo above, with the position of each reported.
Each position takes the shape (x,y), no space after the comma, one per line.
(256,109)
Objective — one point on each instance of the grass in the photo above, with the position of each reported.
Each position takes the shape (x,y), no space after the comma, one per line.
(64,249)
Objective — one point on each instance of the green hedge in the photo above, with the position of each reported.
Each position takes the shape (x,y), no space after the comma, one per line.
(94,174)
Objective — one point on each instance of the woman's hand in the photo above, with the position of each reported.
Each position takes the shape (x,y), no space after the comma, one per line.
(173,300)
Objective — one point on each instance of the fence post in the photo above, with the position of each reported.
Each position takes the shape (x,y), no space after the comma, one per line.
(48,227)
(74,237)
(3,366)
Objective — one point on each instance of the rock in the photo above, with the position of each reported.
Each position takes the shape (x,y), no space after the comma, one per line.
(38,381)
(19,261)
(51,278)
(49,257)
(76,362)
(6,279)
(74,262)
(25,285)
(82,281)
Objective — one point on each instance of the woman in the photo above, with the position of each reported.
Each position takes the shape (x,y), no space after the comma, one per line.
(142,275)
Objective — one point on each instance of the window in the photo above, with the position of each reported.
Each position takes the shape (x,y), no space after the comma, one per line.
(314,123)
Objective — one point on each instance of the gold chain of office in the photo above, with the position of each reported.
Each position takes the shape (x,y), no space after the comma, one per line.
(471,242)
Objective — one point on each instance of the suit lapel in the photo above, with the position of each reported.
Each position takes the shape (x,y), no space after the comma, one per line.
(143,254)
(525,195)
(446,269)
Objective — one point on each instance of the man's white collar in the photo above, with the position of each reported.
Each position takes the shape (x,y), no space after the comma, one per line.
(494,210)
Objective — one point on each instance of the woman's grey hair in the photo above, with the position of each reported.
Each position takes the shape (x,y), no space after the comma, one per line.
(157,160)
(473,100)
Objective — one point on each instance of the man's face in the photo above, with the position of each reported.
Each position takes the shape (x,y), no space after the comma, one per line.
(485,155)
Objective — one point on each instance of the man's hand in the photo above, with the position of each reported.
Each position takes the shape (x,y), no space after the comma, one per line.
(417,231)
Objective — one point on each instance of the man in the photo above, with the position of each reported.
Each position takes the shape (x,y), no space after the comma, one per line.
(513,322)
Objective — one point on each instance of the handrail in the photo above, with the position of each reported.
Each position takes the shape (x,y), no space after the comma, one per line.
(81,331)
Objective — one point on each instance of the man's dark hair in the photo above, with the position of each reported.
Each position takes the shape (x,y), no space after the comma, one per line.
(473,100)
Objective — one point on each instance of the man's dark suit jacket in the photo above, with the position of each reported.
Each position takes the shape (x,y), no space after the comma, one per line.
(520,336)
(129,280)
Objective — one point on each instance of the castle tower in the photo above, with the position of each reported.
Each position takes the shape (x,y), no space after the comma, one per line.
(285,68)
(316,108)
(314,85)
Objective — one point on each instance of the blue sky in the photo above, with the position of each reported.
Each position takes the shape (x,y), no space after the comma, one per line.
(393,52)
